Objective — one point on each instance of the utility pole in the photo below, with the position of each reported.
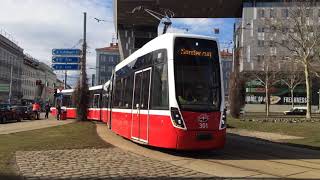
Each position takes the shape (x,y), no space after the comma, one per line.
(65,79)
(82,88)
(10,87)
(84,52)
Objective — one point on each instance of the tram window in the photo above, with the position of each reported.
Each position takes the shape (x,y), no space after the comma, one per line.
(160,98)
(105,100)
(159,56)
(118,94)
(96,101)
(148,59)
(127,94)
(145,90)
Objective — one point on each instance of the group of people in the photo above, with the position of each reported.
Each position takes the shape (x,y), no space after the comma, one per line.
(36,108)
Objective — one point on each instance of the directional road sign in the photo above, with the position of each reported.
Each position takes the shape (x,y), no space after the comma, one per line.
(61,59)
(66,66)
(4,87)
(68,52)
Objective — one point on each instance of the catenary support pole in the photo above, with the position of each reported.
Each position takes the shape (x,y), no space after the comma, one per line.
(10,86)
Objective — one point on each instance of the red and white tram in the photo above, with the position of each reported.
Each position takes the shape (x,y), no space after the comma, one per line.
(167,94)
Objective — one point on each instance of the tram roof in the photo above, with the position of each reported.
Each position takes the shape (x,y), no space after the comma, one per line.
(67,91)
(105,86)
(95,87)
(164,41)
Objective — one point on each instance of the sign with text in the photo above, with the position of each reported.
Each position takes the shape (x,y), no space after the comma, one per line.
(4,87)
(65,59)
(66,52)
(65,66)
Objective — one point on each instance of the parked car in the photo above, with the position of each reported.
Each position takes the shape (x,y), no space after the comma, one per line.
(25,112)
(7,113)
(296,111)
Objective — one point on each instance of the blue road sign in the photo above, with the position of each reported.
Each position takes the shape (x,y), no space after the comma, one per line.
(61,59)
(65,66)
(71,52)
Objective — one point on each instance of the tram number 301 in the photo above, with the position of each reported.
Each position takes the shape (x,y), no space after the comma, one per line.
(203,125)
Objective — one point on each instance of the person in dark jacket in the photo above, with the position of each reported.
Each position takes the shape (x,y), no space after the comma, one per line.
(58,108)
(47,108)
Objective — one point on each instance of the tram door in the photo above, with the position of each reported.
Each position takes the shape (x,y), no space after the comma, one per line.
(140,105)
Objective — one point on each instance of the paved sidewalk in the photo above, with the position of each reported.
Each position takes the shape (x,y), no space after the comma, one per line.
(275,137)
(27,125)
(243,157)
(97,164)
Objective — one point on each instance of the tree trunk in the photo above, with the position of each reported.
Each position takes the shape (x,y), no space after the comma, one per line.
(234,101)
(267,99)
(292,101)
(308,85)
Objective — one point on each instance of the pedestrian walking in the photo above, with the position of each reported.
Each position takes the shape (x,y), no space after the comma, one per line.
(58,108)
(47,109)
(36,110)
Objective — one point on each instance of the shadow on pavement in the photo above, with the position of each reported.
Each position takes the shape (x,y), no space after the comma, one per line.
(247,148)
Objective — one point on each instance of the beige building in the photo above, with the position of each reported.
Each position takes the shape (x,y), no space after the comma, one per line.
(38,81)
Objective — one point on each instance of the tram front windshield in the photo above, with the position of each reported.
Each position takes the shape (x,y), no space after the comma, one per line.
(197,74)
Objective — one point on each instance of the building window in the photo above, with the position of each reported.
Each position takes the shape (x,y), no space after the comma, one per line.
(285,42)
(309,12)
(273,50)
(260,29)
(110,59)
(260,58)
(102,69)
(260,43)
(272,13)
(261,13)
(272,43)
(285,13)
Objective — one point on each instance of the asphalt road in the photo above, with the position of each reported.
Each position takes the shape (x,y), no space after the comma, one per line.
(242,157)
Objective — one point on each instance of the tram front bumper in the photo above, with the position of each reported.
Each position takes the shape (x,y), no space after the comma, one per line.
(201,140)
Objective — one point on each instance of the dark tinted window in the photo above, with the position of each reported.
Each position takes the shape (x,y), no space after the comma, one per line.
(122,93)
(127,92)
(117,93)
(197,74)
(145,89)
(160,97)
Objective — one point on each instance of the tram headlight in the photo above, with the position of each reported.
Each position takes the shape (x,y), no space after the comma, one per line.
(224,119)
(177,118)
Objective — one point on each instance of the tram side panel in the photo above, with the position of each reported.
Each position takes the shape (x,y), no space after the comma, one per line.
(161,132)
(121,122)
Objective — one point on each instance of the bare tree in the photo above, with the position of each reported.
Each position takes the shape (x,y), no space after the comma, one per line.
(299,35)
(268,77)
(292,78)
(236,88)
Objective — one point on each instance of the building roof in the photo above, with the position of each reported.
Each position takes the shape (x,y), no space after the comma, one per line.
(112,48)
(225,53)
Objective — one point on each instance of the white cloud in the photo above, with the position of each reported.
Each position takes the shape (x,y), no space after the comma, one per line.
(40,26)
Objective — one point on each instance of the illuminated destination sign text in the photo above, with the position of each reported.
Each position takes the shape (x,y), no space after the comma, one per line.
(195,53)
